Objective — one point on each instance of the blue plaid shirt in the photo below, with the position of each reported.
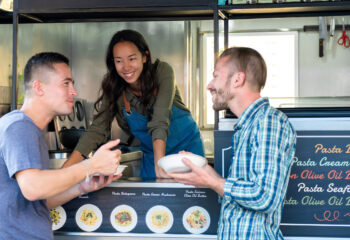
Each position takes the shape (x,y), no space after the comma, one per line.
(263,146)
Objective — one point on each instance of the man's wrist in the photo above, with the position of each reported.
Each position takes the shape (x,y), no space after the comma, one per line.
(81,191)
(219,186)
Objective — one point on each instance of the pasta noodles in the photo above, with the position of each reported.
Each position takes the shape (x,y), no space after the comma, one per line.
(88,217)
(55,216)
(160,219)
(196,219)
(123,218)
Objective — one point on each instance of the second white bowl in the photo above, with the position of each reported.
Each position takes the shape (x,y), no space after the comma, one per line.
(173,162)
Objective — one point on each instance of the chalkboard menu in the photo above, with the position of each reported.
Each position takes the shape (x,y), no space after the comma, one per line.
(318,196)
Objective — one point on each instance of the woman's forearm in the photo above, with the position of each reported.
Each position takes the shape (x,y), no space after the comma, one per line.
(74,158)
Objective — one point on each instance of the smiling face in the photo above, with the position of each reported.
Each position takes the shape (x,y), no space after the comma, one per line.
(58,90)
(128,62)
(220,85)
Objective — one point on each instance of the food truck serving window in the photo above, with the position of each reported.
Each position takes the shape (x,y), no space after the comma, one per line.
(279,50)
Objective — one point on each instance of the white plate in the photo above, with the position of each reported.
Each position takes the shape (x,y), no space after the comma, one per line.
(91,223)
(131,215)
(196,220)
(58,217)
(159,219)
(120,169)
(173,162)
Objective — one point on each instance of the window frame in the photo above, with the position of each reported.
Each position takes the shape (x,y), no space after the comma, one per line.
(208,55)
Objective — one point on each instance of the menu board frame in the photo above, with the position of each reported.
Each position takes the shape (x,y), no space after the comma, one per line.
(317,203)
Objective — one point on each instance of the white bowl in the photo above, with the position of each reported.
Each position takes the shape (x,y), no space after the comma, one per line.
(173,162)
(120,169)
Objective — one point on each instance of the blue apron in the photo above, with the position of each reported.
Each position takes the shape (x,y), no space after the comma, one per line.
(183,135)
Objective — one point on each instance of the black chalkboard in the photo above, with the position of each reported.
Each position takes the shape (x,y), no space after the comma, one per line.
(318,196)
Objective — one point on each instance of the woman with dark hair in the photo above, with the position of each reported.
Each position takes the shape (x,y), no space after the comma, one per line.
(146,102)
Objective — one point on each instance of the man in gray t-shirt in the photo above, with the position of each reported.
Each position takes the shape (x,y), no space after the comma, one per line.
(22,146)
(27,188)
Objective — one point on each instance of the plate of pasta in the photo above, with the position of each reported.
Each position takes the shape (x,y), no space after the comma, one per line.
(58,217)
(196,220)
(123,218)
(159,219)
(88,217)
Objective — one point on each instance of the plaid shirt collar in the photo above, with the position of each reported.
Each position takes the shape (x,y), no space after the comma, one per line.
(249,112)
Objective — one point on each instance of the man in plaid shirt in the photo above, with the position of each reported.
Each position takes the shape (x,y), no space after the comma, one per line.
(263,145)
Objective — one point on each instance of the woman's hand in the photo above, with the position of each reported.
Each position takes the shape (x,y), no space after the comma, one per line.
(160,173)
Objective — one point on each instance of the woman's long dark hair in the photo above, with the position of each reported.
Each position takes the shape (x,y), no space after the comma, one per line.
(113,85)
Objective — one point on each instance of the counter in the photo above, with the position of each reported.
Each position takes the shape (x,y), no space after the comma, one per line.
(145,201)
(316,206)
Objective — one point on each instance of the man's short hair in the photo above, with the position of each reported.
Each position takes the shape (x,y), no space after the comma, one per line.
(40,60)
(249,61)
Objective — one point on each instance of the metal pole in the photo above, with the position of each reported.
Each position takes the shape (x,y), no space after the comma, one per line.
(216,34)
(226,33)
(14,54)
(216,53)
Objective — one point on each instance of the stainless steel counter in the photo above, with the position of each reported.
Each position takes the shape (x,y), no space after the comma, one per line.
(301,124)
(131,159)
(131,156)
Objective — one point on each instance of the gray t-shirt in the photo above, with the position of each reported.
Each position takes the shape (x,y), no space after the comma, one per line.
(22,146)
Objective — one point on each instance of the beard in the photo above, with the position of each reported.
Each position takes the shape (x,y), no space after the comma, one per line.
(218,106)
(223,96)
